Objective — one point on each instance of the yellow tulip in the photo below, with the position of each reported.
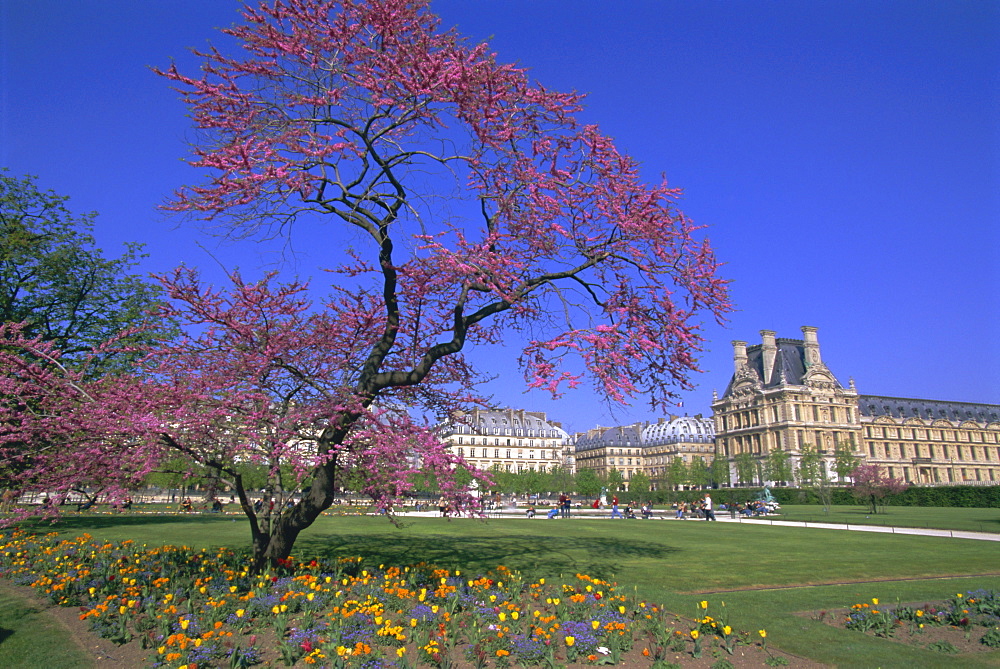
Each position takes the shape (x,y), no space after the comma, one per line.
(704,605)
(570,641)
(694,634)
(762,633)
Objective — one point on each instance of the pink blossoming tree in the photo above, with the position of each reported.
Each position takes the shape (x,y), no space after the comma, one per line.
(464,206)
(872,485)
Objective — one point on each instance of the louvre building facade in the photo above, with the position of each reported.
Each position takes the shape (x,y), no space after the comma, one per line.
(783,396)
(646,447)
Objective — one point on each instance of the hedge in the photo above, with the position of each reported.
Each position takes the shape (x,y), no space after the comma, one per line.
(954,496)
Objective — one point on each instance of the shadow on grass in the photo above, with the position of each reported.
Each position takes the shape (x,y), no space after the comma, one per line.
(86,523)
(594,556)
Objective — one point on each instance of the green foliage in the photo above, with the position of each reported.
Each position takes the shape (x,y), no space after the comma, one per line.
(560,478)
(745,468)
(639,484)
(677,474)
(588,483)
(616,481)
(778,467)
(55,281)
(943,647)
(698,474)
(991,638)
(844,460)
(812,474)
(718,472)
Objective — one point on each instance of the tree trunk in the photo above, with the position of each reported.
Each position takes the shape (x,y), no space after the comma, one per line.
(277,543)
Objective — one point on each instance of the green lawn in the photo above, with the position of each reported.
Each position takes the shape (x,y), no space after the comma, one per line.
(764,573)
(969,520)
(29,638)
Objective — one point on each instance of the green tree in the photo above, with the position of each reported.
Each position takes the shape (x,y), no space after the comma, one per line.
(561,479)
(779,466)
(844,460)
(698,474)
(588,483)
(61,287)
(813,475)
(719,471)
(745,467)
(503,480)
(638,485)
(616,480)
(677,473)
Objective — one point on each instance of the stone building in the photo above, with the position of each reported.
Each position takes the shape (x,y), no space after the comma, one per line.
(930,441)
(782,396)
(512,439)
(646,447)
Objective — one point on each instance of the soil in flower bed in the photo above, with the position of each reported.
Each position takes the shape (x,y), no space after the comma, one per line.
(108,655)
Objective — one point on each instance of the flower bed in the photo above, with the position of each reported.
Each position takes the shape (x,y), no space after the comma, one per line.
(199,608)
(965,623)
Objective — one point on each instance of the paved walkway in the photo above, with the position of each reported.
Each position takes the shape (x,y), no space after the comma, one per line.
(724,517)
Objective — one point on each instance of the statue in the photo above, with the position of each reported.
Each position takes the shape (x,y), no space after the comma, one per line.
(766,496)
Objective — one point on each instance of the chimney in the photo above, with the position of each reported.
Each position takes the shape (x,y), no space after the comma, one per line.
(739,355)
(770,350)
(811,345)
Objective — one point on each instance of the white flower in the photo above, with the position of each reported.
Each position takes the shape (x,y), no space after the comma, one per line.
(603,650)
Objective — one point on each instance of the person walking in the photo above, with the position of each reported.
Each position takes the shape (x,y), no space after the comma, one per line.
(709,512)
(615,513)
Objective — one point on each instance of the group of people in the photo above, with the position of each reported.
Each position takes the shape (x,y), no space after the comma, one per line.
(700,509)
(646,510)
(754,508)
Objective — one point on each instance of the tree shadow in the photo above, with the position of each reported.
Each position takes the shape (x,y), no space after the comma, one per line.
(85,523)
(532,556)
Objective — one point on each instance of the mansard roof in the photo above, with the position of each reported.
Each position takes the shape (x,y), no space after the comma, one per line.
(506,420)
(788,368)
(676,429)
(905,407)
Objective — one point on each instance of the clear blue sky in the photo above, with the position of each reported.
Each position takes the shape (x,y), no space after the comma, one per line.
(844,155)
